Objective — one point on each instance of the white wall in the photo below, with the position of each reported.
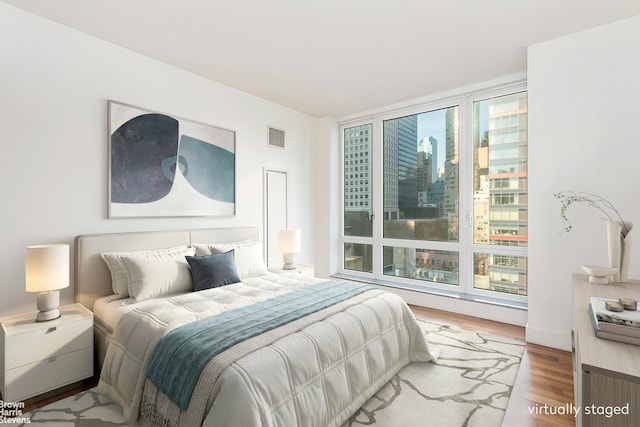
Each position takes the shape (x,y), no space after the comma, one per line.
(54,87)
(583,136)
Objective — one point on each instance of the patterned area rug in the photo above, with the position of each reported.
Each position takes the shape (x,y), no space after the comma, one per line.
(468,386)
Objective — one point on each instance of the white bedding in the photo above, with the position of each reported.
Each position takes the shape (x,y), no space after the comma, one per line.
(108,311)
(318,376)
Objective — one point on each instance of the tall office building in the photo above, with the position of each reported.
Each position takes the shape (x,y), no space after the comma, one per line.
(407,162)
(451,173)
(390,170)
(357,169)
(427,163)
(400,158)
(424,171)
(432,149)
(500,191)
(507,172)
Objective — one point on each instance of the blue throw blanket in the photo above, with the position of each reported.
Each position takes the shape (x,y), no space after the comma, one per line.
(182,354)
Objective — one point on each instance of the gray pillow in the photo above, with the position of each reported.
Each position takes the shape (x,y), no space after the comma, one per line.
(213,271)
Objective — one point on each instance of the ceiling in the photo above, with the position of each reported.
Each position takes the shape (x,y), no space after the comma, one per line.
(335,57)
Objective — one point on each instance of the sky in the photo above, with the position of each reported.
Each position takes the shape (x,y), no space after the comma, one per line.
(433,123)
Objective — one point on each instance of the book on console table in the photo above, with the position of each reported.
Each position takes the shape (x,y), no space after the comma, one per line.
(621,326)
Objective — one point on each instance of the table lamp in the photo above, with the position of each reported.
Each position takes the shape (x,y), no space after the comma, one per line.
(289,244)
(47,271)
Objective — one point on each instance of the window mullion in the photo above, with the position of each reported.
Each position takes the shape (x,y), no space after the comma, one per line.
(379,198)
(466,197)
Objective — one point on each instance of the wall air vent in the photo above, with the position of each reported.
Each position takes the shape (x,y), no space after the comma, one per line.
(276,137)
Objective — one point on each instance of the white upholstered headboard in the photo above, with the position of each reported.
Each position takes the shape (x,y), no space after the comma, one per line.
(92,277)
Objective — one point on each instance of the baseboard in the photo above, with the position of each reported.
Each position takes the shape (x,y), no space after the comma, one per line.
(548,339)
(483,310)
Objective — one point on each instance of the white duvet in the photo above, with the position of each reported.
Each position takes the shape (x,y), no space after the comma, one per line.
(317,376)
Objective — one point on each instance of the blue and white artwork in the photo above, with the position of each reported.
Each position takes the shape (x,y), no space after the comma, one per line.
(167,166)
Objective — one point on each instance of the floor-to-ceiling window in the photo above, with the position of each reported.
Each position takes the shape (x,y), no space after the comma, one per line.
(436,196)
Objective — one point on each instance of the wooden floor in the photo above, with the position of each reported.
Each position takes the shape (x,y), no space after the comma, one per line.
(59,394)
(545,376)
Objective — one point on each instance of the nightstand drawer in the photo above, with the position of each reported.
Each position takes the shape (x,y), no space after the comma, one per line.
(49,341)
(36,378)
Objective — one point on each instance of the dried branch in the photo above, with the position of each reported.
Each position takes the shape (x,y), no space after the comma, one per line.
(568,198)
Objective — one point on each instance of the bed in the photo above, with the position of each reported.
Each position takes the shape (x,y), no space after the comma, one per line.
(270,350)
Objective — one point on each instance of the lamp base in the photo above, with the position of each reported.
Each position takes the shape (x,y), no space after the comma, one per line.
(46,316)
(288,262)
(48,303)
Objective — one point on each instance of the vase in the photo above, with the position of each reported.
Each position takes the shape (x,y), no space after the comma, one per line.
(619,249)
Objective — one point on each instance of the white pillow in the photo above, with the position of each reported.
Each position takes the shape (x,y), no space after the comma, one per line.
(203,249)
(159,274)
(119,275)
(247,257)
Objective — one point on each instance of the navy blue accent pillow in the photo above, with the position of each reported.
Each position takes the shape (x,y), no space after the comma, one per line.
(213,271)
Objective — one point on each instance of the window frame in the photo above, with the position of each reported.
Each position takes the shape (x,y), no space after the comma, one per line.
(465,245)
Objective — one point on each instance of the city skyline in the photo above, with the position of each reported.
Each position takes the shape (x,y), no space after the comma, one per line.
(433,124)
(420,205)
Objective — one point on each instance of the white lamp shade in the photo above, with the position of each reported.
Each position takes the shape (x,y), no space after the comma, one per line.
(47,268)
(289,241)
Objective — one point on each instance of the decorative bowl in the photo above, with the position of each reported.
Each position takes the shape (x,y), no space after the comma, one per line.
(599,274)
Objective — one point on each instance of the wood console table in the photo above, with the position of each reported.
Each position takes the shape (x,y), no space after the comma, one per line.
(606,373)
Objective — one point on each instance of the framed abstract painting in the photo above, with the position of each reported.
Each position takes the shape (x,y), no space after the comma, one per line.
(165,166)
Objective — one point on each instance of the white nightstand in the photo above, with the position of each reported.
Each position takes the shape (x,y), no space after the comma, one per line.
(41,356)
(300,269)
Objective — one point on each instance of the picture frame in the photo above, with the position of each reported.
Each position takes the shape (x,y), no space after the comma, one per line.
(166,166)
